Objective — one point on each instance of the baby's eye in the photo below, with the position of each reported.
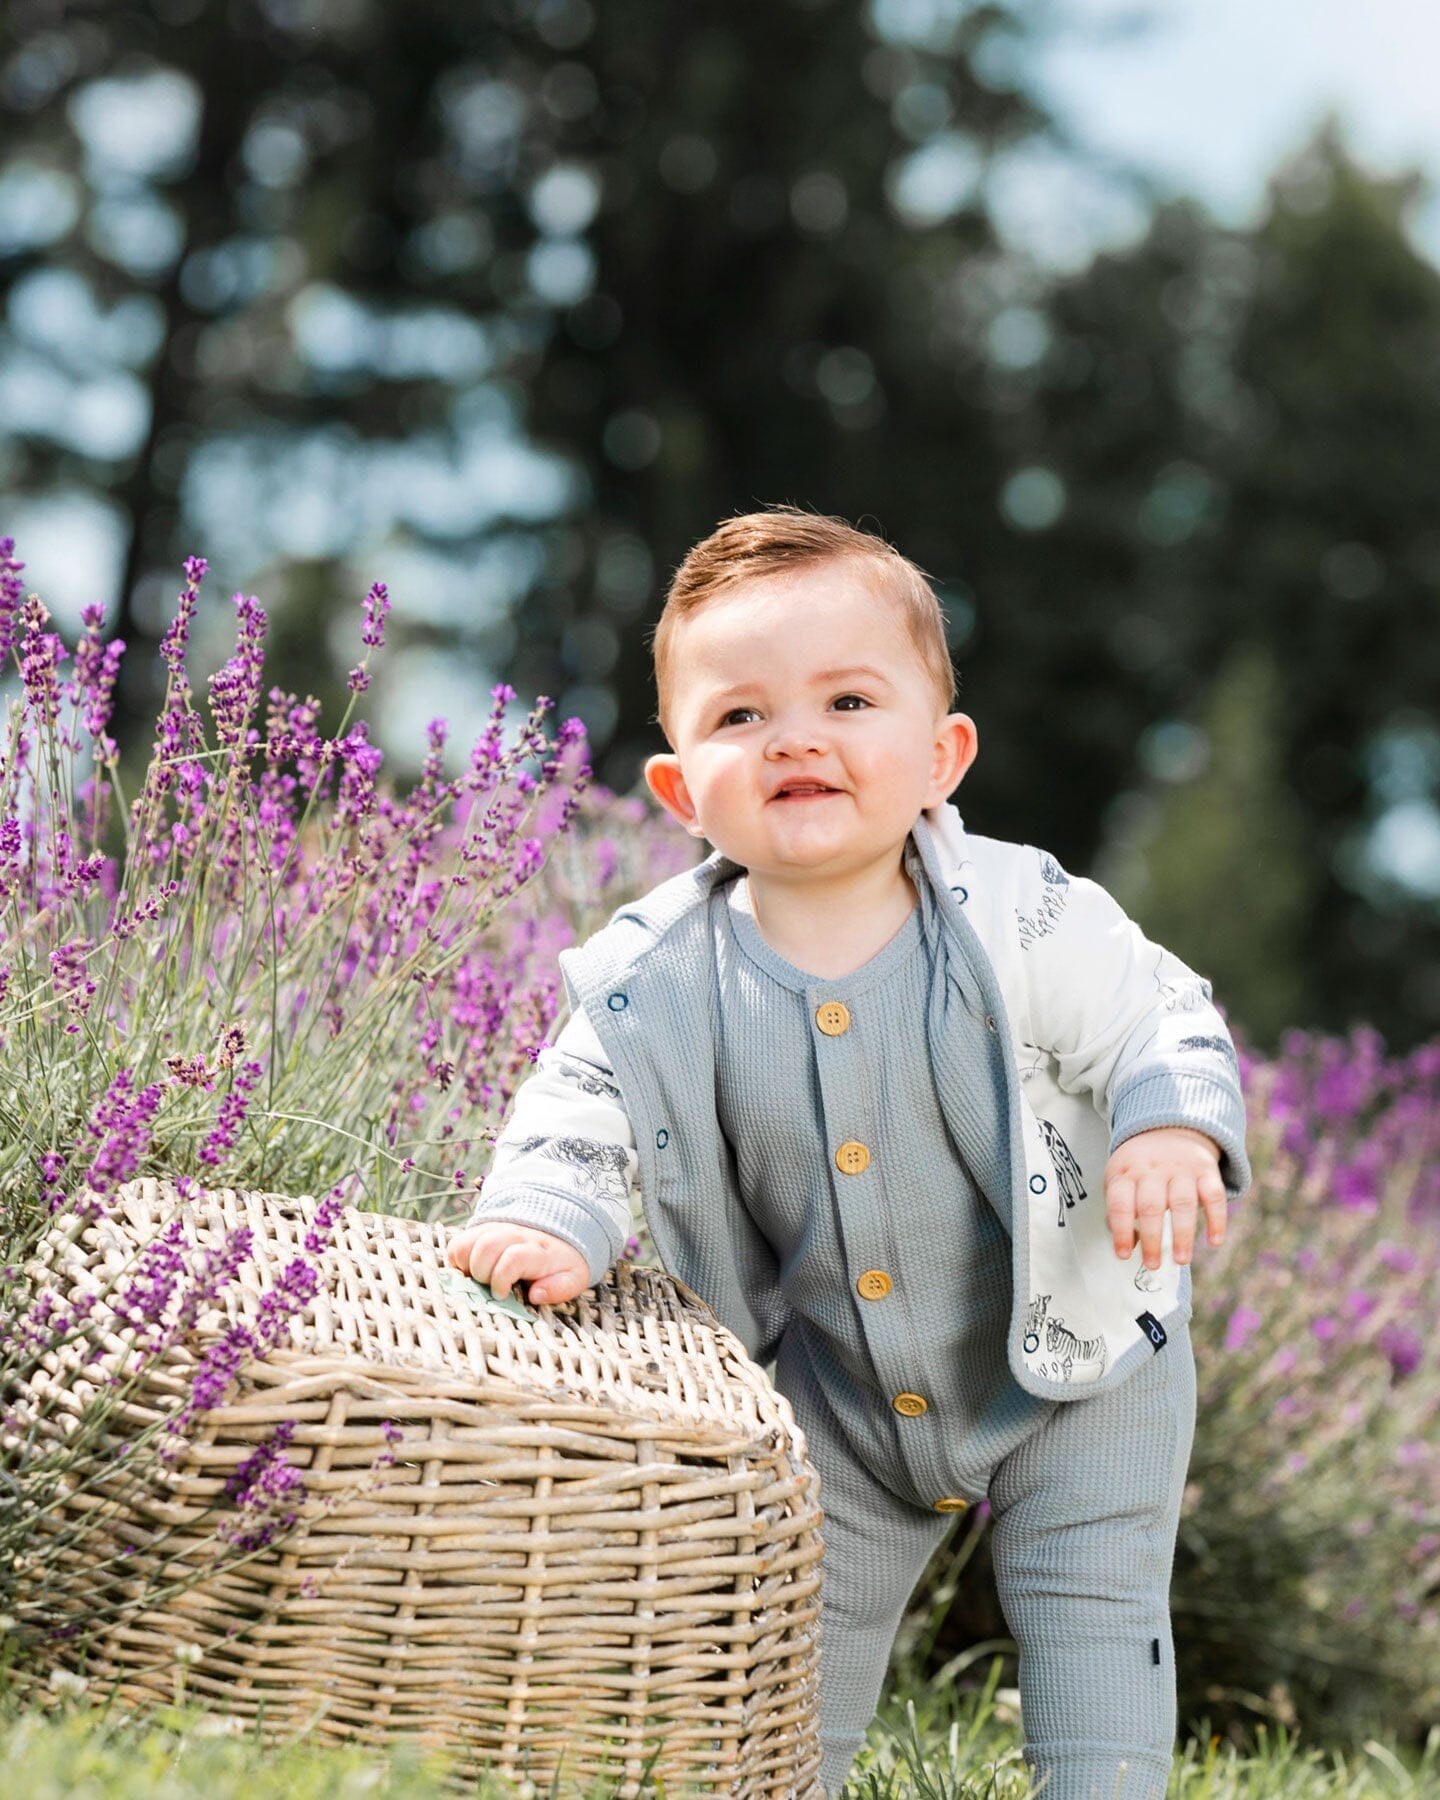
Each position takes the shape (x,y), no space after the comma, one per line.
(739,713)
(844,699)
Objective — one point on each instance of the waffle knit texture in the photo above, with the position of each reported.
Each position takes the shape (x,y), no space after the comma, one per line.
(1085,1514)
(1086,1511)
(786,1091)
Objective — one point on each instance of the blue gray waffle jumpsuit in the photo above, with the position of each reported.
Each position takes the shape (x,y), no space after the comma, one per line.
(896,1276)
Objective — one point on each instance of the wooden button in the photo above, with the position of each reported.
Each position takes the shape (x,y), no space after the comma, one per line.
(833,1018)
(874,1284)
(852,1158)
(912,1405)
(951,1503)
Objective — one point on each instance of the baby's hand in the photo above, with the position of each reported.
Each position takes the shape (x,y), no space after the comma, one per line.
(1172,1166)
(501,1253)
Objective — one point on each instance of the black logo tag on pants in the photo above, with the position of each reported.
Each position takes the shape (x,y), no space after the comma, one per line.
(1153,1330)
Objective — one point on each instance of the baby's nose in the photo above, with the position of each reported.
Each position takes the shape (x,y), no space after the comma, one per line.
(794,738)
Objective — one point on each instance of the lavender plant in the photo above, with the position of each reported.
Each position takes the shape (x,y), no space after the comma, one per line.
(1306,1588)
(263,968)
(296,970)
(1308,1571)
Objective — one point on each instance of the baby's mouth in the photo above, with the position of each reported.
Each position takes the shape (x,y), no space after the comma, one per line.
(803,790)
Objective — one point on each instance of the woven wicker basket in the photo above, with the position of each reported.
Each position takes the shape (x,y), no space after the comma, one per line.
(599,1538)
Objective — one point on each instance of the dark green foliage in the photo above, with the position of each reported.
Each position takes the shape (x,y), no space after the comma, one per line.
(359,347)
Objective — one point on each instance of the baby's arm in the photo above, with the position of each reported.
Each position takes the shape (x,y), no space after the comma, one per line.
(556,1207)
(1131,1025)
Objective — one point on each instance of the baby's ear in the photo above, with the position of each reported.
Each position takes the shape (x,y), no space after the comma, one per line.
(667,784)
(956,745)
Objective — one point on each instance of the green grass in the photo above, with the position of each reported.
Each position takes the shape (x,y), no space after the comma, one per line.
(928,1746)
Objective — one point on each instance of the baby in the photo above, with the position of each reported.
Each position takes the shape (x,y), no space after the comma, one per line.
(928,1122)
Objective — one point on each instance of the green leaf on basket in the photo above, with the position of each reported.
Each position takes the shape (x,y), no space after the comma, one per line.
(479,1298)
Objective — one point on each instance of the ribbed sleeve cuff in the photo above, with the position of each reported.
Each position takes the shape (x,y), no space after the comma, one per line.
(1166,1098)
(561,1215)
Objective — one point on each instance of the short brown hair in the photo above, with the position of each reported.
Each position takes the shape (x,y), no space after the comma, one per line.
(781,540)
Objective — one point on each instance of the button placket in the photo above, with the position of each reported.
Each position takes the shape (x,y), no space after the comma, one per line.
(885,1328)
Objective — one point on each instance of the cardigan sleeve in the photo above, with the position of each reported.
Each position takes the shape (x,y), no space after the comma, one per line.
(1125,1020)
(565,1158)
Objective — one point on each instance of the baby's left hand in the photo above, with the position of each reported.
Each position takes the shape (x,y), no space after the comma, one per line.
(1172,1166)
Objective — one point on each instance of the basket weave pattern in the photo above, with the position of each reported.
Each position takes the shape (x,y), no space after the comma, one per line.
(599,1537)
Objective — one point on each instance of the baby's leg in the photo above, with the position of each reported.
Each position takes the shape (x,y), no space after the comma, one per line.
(876,1549)
(1086,1513)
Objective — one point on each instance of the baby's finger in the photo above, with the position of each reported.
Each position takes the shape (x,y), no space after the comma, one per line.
(1120,1213)
(475,1249)
(558,1287)
(1150,1216)
(457,1250)
(1216,1203)
(516,1262)
(1184,1206)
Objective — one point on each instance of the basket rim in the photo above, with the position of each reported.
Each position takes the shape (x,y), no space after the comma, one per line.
(418,1367)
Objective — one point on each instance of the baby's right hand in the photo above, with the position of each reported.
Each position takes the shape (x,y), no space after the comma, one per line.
(501,1253)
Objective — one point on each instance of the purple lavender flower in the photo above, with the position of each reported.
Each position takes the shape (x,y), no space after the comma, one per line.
(231,1115)
(120,1133)
(12,591)
(1397,1257)
(322,1229)
(1404,1347)
(52,1167)
(70,974)
(189,1071)
(267,1490)
(235,688)
(1357,1183)
(377,608)
(41,654)
(1243,1324)
(145,1299)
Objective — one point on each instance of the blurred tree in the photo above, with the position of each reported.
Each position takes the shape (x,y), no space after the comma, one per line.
(1297,860)
(509,304)
(268,279)
(1234,439)
(1114,400)
(1216,863)
(794,239)
(1333,553)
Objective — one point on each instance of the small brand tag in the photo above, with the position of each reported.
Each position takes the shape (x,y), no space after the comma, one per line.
(1153,1330)
(1155,1651)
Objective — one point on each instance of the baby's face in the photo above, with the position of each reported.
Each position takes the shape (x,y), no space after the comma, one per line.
(808,735)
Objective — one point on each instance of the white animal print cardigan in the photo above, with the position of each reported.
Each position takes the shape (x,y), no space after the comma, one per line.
(1108,1034)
